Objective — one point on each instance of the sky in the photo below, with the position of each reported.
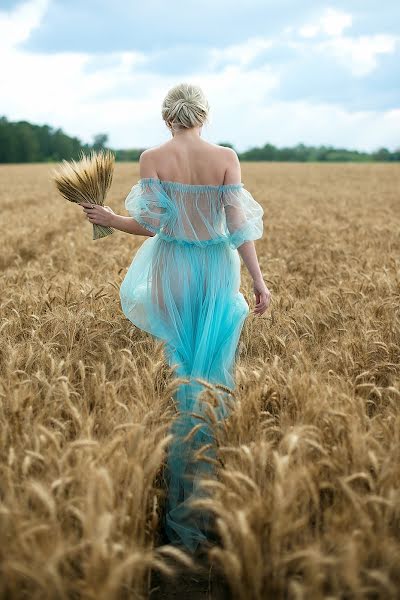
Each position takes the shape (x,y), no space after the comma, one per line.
(287,72)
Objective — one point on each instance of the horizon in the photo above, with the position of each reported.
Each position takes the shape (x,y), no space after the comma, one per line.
(221,142)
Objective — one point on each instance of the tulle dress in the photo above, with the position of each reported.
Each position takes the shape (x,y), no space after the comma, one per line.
(183,288)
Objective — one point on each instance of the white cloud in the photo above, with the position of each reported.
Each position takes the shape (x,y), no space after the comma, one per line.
(79,93)
(241,54)
(360,54)
(287,123)
(16,26)
(59,89)
(332,22)
(309,31)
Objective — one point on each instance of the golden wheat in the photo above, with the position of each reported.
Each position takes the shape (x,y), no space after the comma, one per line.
(87,180)
(307,500)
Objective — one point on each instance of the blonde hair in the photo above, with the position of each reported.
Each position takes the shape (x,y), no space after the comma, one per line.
(185,106)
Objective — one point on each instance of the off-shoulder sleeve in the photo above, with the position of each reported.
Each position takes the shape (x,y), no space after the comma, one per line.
(244,216)
(149,205)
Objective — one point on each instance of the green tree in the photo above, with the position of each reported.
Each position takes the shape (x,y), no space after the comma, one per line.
(27,143)
(382,154)
(22,141)
(99,141)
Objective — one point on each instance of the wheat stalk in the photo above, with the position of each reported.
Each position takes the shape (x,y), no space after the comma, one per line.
(87,180)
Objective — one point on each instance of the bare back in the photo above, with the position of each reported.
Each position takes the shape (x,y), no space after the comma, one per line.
(191,160)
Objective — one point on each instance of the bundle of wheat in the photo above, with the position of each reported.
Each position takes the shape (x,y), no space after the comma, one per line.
(87,180)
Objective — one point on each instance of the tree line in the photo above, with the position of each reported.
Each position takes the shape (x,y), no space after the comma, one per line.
(24,142)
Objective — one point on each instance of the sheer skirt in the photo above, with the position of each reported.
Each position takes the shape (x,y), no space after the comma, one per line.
(188,296)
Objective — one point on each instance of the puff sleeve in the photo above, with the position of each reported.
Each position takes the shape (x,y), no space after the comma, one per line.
(149,205)
(243,216)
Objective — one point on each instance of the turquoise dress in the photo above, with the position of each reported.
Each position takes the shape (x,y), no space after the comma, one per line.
(183,288)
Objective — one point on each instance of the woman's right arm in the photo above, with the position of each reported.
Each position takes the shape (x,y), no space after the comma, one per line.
(129,225)
(104,215)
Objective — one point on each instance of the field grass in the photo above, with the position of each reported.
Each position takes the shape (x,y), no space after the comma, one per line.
(308,497)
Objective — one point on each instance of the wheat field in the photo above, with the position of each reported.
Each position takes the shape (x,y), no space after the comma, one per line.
(307,501)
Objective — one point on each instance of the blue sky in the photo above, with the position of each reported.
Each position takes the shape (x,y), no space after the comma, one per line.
(280,72)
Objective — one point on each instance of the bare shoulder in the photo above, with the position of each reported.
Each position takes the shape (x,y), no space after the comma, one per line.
(228,154)
(233,171)
(147,163)
(158,149)
(223,150)
(228,159)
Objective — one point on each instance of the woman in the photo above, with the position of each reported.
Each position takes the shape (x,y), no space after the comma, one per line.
(183,283)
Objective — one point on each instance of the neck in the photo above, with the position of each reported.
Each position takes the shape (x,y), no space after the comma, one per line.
(187,133)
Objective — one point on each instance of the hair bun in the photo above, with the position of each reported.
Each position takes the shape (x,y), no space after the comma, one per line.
(192,98)
(181,102)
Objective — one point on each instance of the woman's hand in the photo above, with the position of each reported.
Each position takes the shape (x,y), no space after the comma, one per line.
(263,296)
(98,215)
